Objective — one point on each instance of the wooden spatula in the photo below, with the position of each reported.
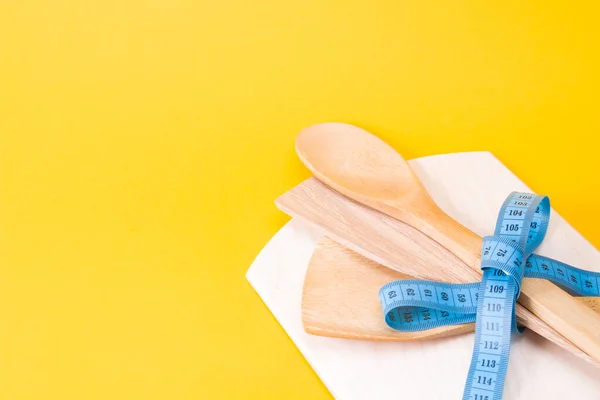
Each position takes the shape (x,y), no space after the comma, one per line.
(392,243)
(366,169)
(339,297)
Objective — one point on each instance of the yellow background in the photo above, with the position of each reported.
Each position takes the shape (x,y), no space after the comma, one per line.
(142,143)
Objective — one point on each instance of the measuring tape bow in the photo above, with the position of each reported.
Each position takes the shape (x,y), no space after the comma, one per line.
(413,305)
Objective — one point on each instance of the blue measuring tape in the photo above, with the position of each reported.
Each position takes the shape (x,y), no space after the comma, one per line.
(414,305)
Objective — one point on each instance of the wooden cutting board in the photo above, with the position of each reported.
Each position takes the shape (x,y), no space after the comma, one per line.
(435,369)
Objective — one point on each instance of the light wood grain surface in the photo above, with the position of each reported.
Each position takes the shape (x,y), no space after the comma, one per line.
(338,297)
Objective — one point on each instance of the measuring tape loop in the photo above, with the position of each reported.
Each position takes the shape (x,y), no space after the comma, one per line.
(506,258)
(401,309)
(413,305)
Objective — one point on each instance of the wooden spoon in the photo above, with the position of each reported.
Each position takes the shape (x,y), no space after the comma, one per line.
(366,169)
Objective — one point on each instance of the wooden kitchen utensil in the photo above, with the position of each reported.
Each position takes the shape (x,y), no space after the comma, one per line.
(391,243)
(339,297)
(366,169)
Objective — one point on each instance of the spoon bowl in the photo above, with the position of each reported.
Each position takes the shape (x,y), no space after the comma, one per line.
(353,160)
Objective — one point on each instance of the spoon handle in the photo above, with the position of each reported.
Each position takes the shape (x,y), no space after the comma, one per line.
(439,226)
